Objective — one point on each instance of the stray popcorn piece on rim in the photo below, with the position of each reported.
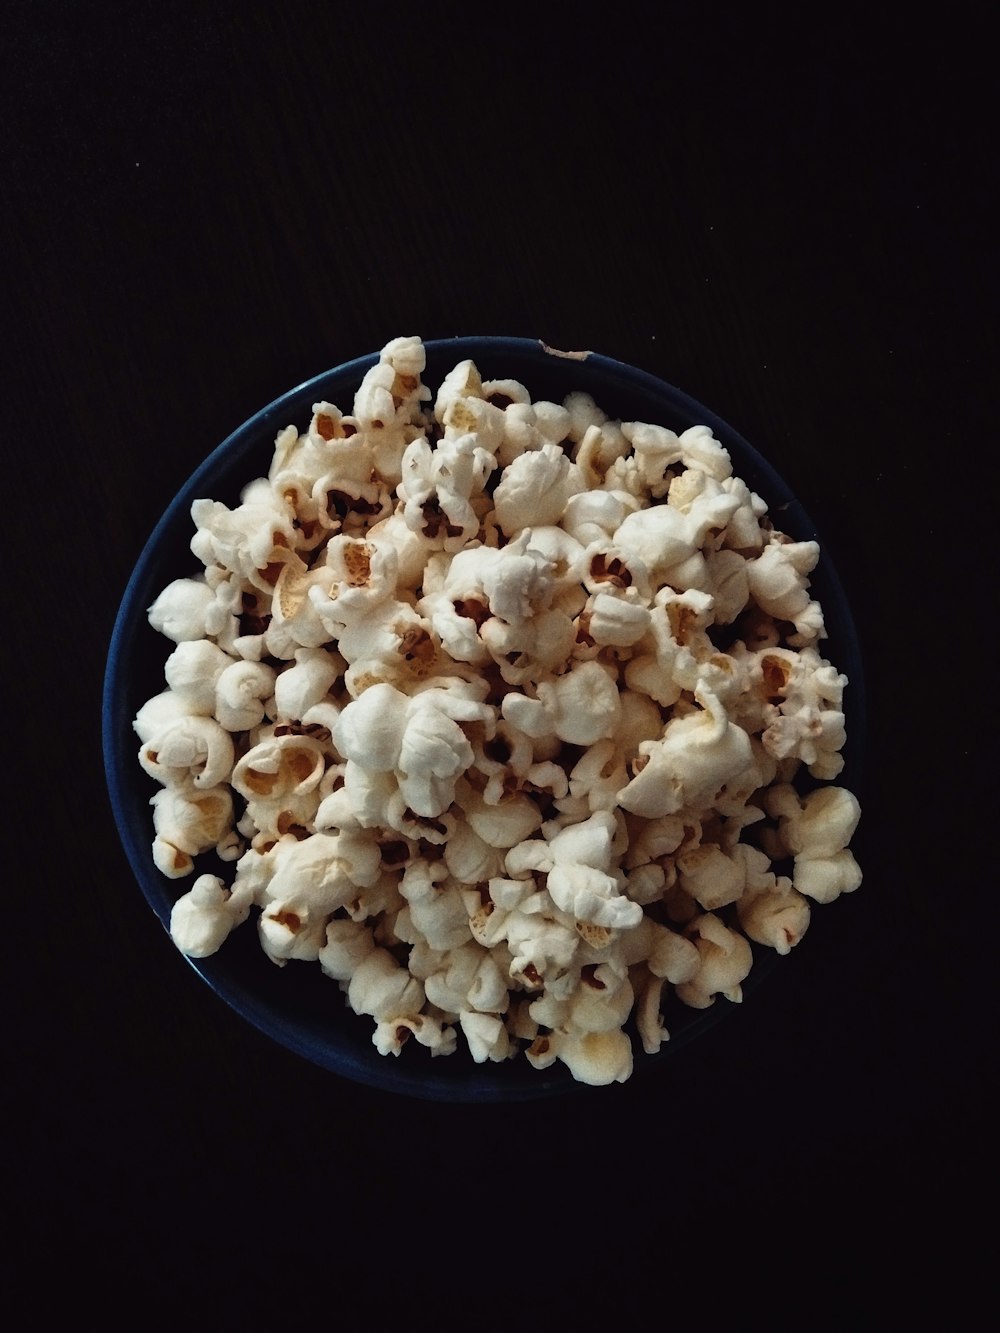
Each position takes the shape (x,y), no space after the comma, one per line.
(446,698)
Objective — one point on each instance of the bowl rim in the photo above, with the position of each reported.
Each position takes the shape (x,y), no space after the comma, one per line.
(491,1082)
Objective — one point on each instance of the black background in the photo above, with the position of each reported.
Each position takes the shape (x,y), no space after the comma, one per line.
(785,211)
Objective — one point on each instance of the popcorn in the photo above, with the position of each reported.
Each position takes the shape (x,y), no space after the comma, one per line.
(581,707)
(202,918)
(188,822)
(252,540)
(455,658)
(301,687)
(778,585)
(578,861)
(189,747)
(691,763)
(535,489)
(616,621)
(596,1058)
(181,610)
(711,877)
(192,670)
(381,988)
(724,960)
(240,692)
(817,831)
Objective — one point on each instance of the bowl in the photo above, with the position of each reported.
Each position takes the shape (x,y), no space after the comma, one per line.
(296,1005)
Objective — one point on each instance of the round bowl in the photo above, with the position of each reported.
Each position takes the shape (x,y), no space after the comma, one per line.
(296,1005)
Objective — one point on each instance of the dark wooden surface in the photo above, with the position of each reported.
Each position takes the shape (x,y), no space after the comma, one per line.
(787,215)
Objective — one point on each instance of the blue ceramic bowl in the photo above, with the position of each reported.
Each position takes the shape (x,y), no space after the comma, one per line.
(296,1005)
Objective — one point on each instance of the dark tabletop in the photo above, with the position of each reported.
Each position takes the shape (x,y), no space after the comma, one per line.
(785,214)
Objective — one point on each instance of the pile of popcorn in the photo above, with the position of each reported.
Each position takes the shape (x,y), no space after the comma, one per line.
(496,705)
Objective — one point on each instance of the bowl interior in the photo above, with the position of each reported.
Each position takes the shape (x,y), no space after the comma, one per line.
(296,1005)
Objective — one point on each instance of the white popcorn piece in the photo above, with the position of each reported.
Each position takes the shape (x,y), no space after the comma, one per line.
(724,960)
(383,989)
(306,882)
(364,575)
(597,1058)
(600,775)
(460,666)
(505,822)
(730,586)
(295,621)
(448,977)
(803,717)
(436,908)
(602,1000)
(347,499)
(392,638)
(280,767)
(552,420)
(486,1035)
(599,449)
(347,944)
(712,878)
(192,670)
(300,687)
(390,393)
(187,822)
(201,920)
(390,1035)
(180,610)
(583,413)
(407,358)
(778,583)
(410,548)
(535,489)
(702,451)
(743,531)
(774,914)
(578,861)
(696,757)
(370,730)
(501,393)
(479,424)
(673,957)
(616,621)
(817,831)
(581,707)
(252,540)
(189,748)
(655,450)
(517,581)
(322,873)
(825,878)
(595,516)
(662,537)
(437,488)
(162,710)
(520,433)
(240,693)
(462,381)
(469,858)
(532,649)
(591,895)
(284,936)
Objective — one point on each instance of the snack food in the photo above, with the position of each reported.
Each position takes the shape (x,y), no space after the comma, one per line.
(496,707)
